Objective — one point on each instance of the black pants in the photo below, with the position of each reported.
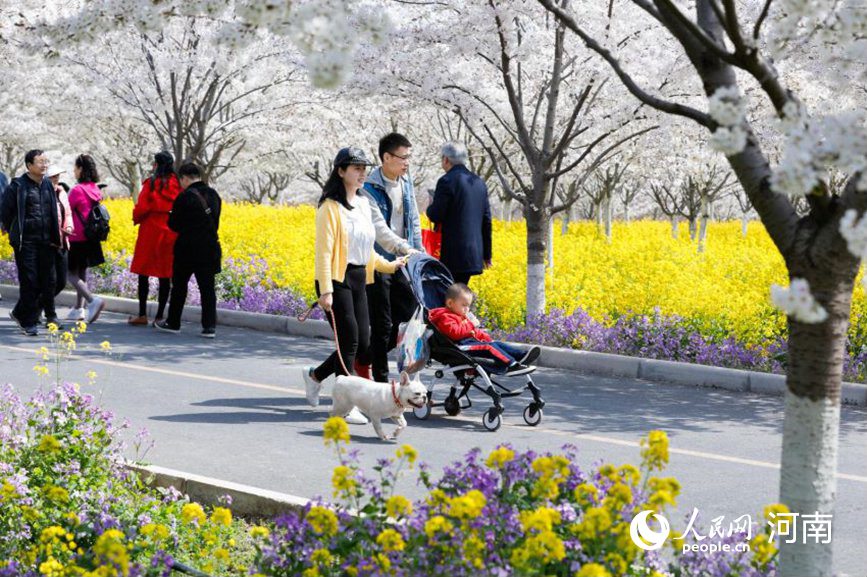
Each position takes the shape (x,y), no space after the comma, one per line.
(462,277)
(60,269)
(162,295)
(36,277)
(391,302)
(181,274)
(349,305)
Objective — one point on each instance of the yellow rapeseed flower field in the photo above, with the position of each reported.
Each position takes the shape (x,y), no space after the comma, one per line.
(724,290)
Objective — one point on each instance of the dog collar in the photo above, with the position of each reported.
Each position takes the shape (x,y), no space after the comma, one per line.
(394,395)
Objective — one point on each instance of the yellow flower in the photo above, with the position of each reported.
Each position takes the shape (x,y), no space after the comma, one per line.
(51,567)
(593,570)
(542,548)
(48,444)
(383,561)
(221,516)
(259,532)
(105,346)
(81,326)
(408,452)
(596,522)
(619,495)
(8,492)
(55,493)
(91,376)
(44,353)
(654,450)
(772,511)
(630,474)
(468,506)
(398,506)
(323,521)
(499,457)
(617,563)
(542,519)
(762,548)
(221,554)
(193,513)
(437,524)
(53,328)
(322,557)
(40,370)
(343,480)
(608,471)
(311,572)
(335,431)
(390,540)
(585,493)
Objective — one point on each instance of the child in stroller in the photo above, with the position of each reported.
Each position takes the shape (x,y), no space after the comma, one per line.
(480,369)
(456,322)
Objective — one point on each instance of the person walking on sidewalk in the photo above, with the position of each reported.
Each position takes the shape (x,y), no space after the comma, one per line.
(195,217)
(344,264)
(155,245)
(460,205)
(84,253)
(29,213)
(398,232)
(61,256)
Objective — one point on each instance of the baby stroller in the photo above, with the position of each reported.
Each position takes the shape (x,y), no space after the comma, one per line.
(430,279)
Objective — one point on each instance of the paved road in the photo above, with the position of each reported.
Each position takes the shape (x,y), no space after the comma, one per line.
(233,409)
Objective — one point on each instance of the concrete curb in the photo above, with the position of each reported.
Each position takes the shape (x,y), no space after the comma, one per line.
(249,502)
(556,358)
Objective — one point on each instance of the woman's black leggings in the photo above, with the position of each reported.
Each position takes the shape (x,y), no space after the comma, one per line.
(162,295)
(349,305)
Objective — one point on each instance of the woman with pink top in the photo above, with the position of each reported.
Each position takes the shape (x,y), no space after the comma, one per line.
(84,253)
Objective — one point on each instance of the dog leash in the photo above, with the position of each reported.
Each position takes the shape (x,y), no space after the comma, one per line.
(306,314)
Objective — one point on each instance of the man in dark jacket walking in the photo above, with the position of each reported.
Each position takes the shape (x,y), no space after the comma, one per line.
(461,209)
(29,214)
(195,216)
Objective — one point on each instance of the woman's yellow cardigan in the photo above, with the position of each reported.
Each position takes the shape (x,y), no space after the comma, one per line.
(332,248)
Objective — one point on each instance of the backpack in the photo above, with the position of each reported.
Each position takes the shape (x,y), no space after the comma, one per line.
(96,225)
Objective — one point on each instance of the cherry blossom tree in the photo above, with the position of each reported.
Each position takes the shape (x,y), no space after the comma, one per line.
(731,44)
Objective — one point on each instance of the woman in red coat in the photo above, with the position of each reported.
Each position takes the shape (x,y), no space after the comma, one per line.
(154,247)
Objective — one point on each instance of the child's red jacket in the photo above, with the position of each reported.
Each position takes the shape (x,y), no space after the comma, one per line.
(456,327)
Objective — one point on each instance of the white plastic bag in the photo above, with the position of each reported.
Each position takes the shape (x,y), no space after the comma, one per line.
(413,350)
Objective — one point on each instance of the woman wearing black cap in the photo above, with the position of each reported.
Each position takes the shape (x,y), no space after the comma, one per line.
(344,264)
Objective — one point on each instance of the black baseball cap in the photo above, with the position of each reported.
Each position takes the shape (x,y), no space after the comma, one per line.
(351,155)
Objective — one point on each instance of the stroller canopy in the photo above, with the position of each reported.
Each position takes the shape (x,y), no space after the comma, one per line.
(429,279)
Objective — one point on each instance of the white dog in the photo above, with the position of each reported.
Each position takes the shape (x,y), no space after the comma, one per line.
(377,400)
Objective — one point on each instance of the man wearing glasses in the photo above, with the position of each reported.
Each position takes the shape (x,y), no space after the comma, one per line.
(398,233)
(29,213)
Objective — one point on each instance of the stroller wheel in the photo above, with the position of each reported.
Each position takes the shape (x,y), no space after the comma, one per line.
(452,405)
(532,414)
(492,419)
(421,413)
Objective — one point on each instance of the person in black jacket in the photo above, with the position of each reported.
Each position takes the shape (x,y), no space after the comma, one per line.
(195,217)
(29,213)
(460,207)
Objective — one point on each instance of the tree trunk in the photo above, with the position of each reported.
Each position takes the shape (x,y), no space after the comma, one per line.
(609,216)
(597,215)
(626,212)
(135,180)
(567,218)
(811,425)
(745,221)
(507,208)
(705,217)
(673,226)
(693,229)
(538,223)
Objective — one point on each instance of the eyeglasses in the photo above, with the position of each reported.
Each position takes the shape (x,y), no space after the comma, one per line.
(405,158)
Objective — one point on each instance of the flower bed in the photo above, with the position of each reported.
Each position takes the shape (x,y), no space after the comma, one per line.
(68,506)
(509,513)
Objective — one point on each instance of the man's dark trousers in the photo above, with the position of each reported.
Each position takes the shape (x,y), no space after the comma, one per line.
(36,278)
(391,302)
(205,278)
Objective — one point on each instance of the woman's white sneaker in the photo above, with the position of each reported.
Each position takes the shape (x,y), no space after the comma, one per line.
(94,308)
(75,315)
(311,387)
